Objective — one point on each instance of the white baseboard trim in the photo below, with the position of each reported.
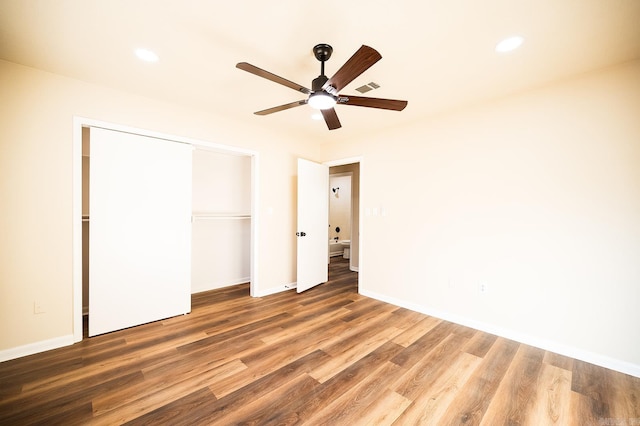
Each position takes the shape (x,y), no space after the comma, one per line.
(215,286)
(37,347)
(353,268)
(547,345)
(275,290)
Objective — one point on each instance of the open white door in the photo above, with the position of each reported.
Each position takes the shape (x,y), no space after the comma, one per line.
(313,224)
(140,224)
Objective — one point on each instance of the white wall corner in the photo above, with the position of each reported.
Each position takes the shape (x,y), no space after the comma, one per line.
(547,345)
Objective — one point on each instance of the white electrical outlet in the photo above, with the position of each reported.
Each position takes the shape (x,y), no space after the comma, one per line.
(38,307)
(482,287)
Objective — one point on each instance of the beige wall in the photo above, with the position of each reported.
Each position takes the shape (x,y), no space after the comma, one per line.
(537,196)
(36,184)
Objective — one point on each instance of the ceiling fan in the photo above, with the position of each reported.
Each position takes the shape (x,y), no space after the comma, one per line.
(324,92)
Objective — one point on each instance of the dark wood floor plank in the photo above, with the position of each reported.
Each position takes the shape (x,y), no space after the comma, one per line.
(37,373)
(329,291)
(416,331)
(552,401)
(65,401)
(463,331)
(186,410)
(624,401)
(474,398)
(269,404)
(246,331)
(515,397)
(352,406)
(585,411)
(323,325)
(359,346)
(366,312)
(306,406)
(121,364)
(590,380)
(431,403)
(480,343)
(254,390)
(156,391)
(559,361)
(424,372)
(385,410)
(425,343)
(358,333)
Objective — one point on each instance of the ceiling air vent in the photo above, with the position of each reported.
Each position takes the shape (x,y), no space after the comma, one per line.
(368,87)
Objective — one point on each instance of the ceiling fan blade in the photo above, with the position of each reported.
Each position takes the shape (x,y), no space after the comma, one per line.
(364,58)
(391,104)
(281,107)
(270,76)
(331,118)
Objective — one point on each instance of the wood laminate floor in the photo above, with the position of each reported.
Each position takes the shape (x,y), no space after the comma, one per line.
(325,357)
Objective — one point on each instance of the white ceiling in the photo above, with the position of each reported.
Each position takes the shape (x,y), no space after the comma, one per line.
(438,55)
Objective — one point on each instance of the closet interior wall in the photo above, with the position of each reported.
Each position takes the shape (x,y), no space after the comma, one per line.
(221,231)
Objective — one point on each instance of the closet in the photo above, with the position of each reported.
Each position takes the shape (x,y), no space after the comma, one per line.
(221,239)
(141,258)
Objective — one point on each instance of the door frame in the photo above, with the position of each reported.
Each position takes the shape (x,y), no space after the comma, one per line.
(350,176)
(78,124)
(344,162)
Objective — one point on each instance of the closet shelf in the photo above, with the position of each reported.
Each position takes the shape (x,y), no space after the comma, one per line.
(213,215)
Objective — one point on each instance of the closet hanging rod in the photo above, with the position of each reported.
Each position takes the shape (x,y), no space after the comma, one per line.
(208,216)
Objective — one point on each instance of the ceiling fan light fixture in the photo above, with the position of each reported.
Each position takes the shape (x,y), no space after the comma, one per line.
(321,100)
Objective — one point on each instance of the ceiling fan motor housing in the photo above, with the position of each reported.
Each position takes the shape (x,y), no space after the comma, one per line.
(317,83)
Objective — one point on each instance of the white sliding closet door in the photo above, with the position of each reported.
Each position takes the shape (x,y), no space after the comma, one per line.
(140,221)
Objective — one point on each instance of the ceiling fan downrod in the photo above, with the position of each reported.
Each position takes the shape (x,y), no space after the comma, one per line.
(322,53)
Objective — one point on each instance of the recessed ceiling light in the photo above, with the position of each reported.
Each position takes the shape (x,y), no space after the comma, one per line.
(146,55)
(509,44)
